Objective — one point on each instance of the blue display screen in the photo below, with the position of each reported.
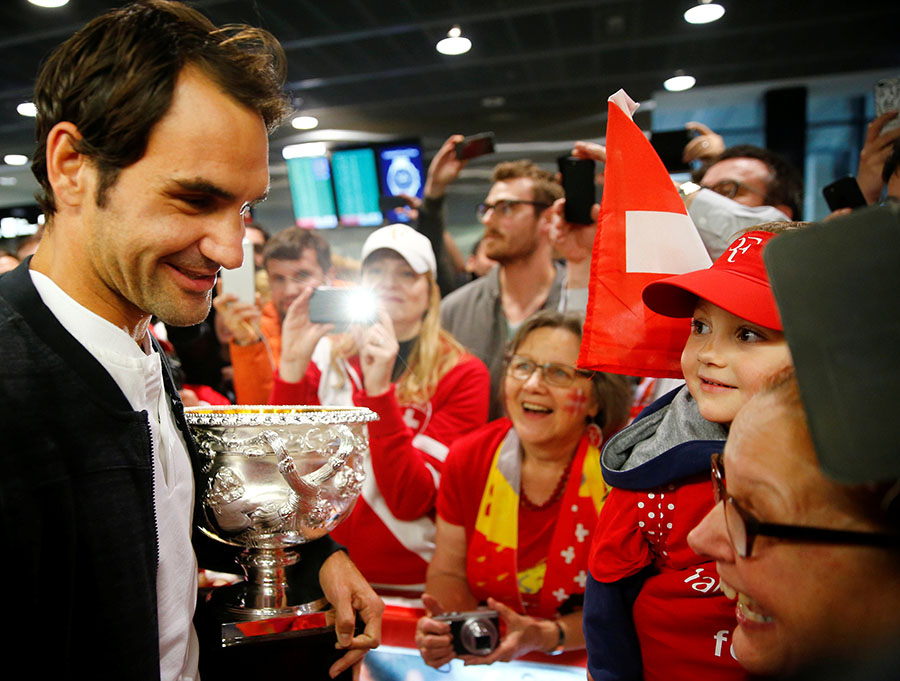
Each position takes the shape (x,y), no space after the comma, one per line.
(402,172)
(356,187)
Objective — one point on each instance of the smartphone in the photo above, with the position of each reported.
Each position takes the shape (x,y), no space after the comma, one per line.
(669,145)
(241,281)
(475,145)
(342,306)
(844,193)
(578,184)
(388,203)
(887,98)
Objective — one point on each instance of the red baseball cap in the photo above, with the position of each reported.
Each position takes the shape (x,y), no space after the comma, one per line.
(737,282)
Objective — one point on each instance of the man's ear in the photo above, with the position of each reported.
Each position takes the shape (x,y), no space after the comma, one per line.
(545,220)
(69,171)
(786,210)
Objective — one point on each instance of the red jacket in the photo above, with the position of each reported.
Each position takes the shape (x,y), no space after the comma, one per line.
(390,533)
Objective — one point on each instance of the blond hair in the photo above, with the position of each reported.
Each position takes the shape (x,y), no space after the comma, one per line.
(434,353)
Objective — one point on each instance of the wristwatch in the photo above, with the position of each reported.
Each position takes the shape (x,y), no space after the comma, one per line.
(560,642)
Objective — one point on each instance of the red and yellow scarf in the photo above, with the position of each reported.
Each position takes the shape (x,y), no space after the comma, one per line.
(492,563)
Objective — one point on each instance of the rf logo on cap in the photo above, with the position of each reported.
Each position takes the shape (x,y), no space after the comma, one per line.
(743,245)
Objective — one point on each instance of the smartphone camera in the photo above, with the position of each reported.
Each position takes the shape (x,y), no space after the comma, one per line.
(476,632)
(342,306)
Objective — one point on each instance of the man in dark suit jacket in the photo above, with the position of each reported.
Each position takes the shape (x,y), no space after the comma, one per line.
(152,141)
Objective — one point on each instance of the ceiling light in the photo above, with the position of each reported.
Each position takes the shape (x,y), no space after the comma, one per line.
(8,181)
(49,3)
(305,122)
(15,159)
(27,109)
(679,82)
(454,43)
(705,12)
(305,149)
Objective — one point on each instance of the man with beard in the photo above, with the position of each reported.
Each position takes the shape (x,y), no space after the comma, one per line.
(144,205)
(517,215)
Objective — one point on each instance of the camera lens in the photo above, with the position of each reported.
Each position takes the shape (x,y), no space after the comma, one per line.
(478,636)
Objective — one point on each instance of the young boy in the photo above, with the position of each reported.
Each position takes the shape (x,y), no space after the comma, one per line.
(653,608)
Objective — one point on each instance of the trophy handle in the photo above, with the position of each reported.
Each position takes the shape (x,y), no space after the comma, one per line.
(308,485)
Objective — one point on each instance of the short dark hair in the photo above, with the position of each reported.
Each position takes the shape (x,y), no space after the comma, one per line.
(613,392)
(892,165)
(546,188)
(786,185)
(289,244)
(115,78)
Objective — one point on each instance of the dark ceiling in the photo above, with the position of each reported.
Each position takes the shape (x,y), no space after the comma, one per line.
(538,69)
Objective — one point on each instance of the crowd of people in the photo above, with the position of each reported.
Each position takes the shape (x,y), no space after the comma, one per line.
(500,473)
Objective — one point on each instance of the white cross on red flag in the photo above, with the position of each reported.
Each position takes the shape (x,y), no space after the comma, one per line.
(644,235)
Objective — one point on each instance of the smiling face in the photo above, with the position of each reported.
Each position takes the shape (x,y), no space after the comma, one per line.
(516,236)
(795,601)
(399,289)
(173,218)
(545,415)
(726,359)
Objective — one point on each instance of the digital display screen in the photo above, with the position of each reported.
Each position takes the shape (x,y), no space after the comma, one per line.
(310,182)
(356,187)
(401,172)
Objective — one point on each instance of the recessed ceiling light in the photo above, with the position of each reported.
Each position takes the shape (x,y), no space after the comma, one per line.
(49,3)
(27,109)
(305,122)
(305,149)
(493,102)
(679,82)
(15,159)
(454,43)
(705,12)
(7,181)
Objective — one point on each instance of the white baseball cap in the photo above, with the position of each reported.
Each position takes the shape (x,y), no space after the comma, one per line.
(403,239)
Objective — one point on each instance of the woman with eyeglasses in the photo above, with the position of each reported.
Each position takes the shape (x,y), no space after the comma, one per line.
(519,499)
(426,389)
(814,565)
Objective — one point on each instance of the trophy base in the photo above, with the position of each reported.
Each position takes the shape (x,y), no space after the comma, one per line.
(240,623)
(238,650)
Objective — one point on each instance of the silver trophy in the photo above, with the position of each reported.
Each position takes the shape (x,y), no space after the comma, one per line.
(272,478)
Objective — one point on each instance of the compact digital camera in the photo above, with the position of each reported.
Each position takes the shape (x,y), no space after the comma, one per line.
(476,632)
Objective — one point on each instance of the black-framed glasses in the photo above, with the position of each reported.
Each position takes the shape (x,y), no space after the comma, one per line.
(743,528)
(560,375)
(505,207)
(731,188)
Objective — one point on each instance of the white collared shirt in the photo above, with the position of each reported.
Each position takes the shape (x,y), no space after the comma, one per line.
(138,372)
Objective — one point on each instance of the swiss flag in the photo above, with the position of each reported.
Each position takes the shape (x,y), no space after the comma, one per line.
(644,234)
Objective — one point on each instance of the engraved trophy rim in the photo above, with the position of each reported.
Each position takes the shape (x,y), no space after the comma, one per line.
(274,415)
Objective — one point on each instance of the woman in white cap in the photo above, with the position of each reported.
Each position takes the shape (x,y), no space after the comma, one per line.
(420,381)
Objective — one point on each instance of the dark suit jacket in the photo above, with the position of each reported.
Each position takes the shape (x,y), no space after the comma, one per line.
(77,517)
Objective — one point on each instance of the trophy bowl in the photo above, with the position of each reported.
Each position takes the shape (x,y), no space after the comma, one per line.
(273,477)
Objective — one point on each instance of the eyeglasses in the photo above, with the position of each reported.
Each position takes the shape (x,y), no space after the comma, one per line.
(731,188)
(559,375)
(505,207)
(743,528)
